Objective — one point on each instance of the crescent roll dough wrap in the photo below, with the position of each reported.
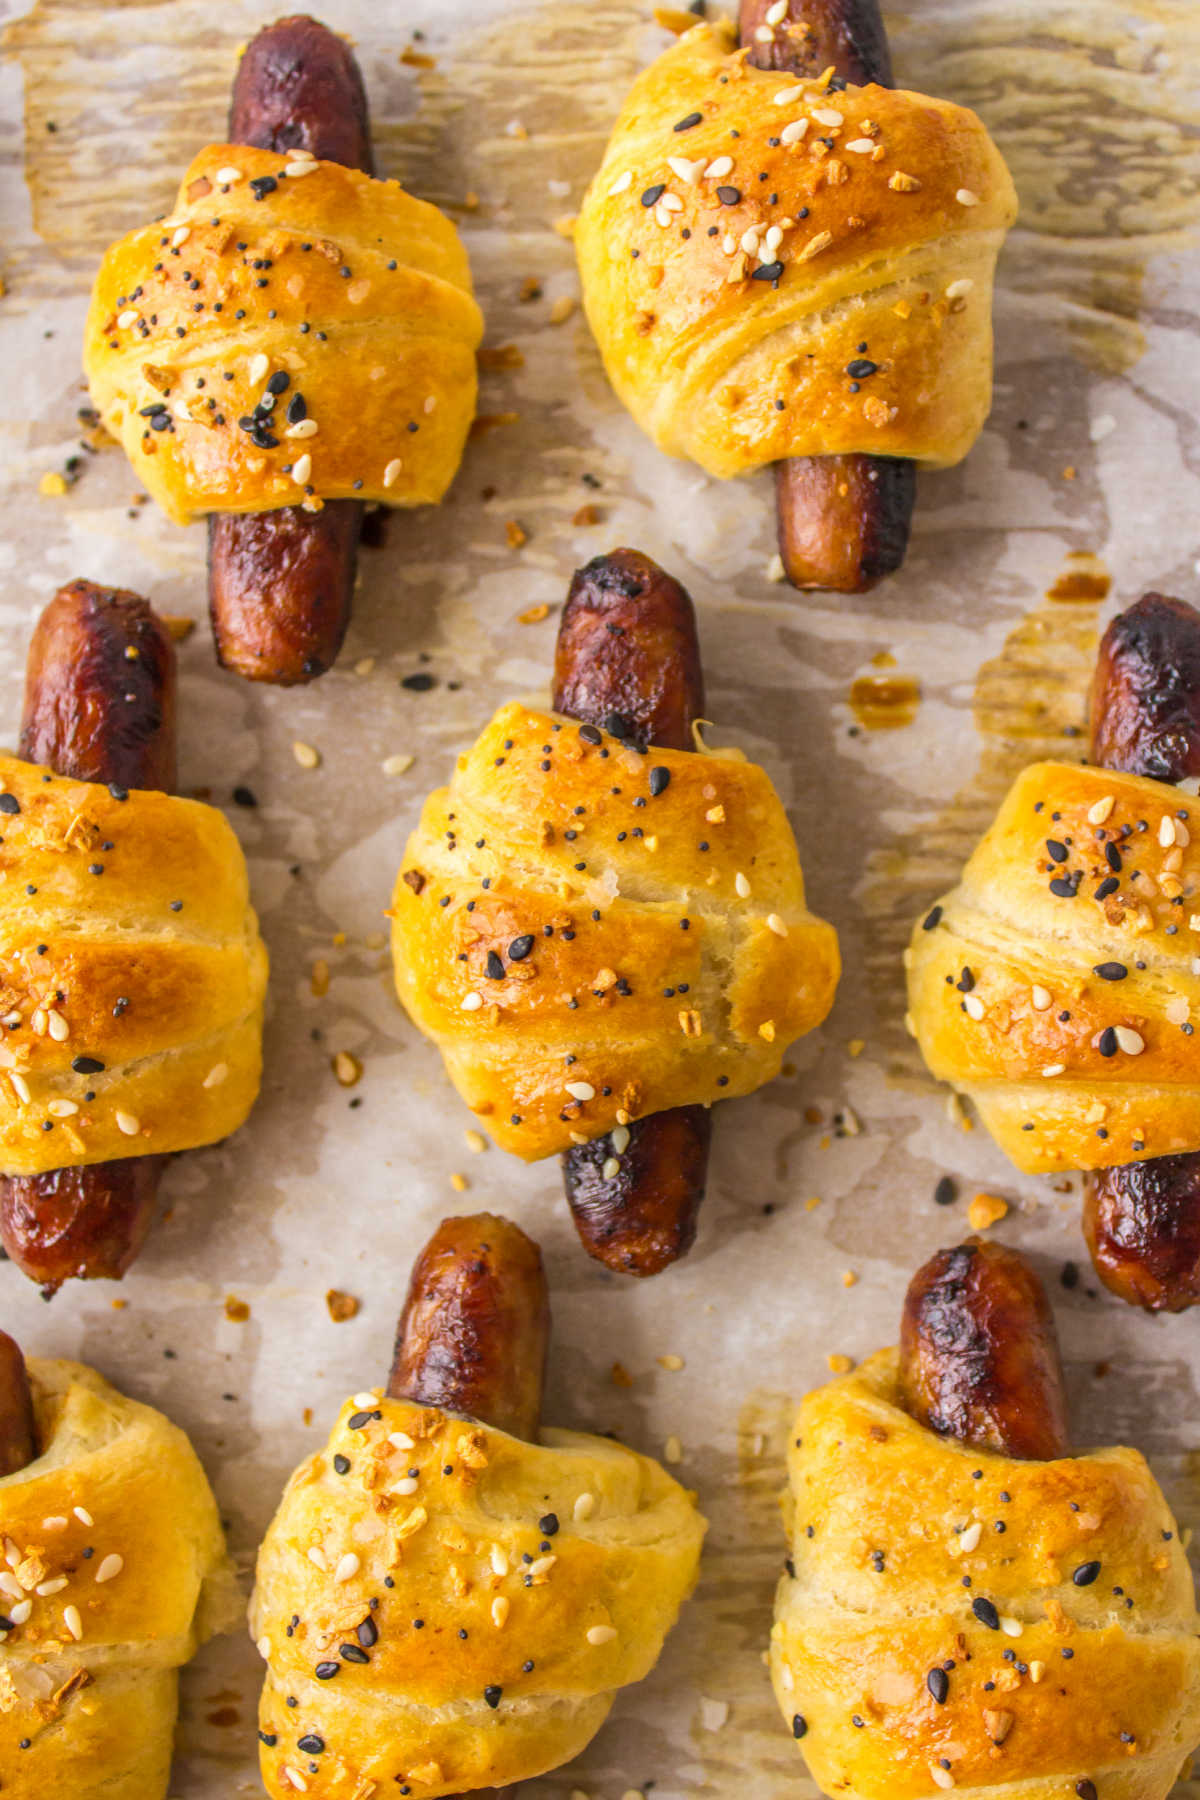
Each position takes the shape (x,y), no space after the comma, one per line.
(1056,985)
(1067,1641)
(775,270)
(463,1606)
(131,973)
(348,294)
(591,934)
(120,1574)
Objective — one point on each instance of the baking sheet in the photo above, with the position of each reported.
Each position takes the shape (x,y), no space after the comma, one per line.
(497,110)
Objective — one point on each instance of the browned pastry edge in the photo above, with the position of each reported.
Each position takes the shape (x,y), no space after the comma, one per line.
(1142,1220)
(18,1435)
(473,1336)
(628,660)
(979,1357)
(281,583)
(99,706)
(843,521)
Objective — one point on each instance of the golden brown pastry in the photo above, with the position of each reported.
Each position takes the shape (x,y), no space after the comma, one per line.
(773,269)
(591,933)
(132,973)
(1055,984)
(445,1606)
(957,1618)
(293,332)
(114,1573)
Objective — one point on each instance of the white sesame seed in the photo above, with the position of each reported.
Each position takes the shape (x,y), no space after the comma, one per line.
(671,202)
(44,1589)
(621,183)
(861,146)
(1054,1069)
(1177,1009)
(55,1522)
(318,1559)
(228,174)
(1098,813)
(1041,997)
(1131,1041)
(673,1449)
(57,1026)
(306,755)
(1182,834)
(1011,1627)
(37,1021)
(600,1634)
(776,924)
(776,14)
(472,1002)
(127,1124)
(82,1514)
(685,169)
(110,1568)
(774,237)
(792,134)
(263,1646)
(392,473)
(408,1484)
(720,165)
(127,318)
(749,240)
(260,363)
(367,1399)
(398,764)
(20,1087)
(303,428)
(713,1713)
(581,1090)
(965,197)
(828,115)
(610,1168)
(958,290)
(347,1568)
(741,886)
(542,1565)
(73,1622)
(786,95)
(302,468)
(729,243)
(662,216)
(940,1777)
(969,1539)
(21,1613)
(1166,831)
(400,1440)
(62,1109)
(619,1139)
(303,155)
(180,237)
(764,34)
(974,1007)
(584,1507)
(216,1075)
(499,1561)
(297,169)
(500,1611)
(296,1779)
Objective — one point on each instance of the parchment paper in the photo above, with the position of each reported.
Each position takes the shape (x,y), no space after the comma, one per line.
(811,1228)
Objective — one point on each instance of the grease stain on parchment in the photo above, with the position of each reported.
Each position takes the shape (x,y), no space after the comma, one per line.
(1029,705)
(884,702)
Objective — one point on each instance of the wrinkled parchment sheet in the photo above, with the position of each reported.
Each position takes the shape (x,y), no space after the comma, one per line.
(498,112)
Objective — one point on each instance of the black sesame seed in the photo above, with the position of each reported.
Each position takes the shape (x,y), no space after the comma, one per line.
(352,1653)
(1112,857)
(1111,971)
(9,803)
(549,1524)
(492,1694)
(590,734)
(367,1634)
(311,1744)
(659,781)
(87,1065)
(1063,888)
(495,968)
(1085,1574)
(938,1683)
(860,368)
(357,1420)
(767,272)
(279,382)
(986,1613)
(693,118)
(654,194)
(244,796)
(1058,852)
(799,1725)
(341,1464)
(1106,1043)
(945,1193)
(1108,886)
(325,1671)
(729,196)
(932,918)
(520,947)
(1086,1789)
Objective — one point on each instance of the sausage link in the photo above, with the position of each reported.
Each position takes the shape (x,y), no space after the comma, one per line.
(99,706)
(100,690)
(979,1355)
(1142,1220)
(473,1334)
(843,520)
(628,660)
(18,1435)
(281,583)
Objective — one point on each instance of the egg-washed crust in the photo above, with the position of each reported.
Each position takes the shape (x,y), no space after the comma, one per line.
(774,267)
(905,1545)
(861,323)
(451,1608)
(114,1573)
(282,269)
(132,974)
(591,933)
(1056,986)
